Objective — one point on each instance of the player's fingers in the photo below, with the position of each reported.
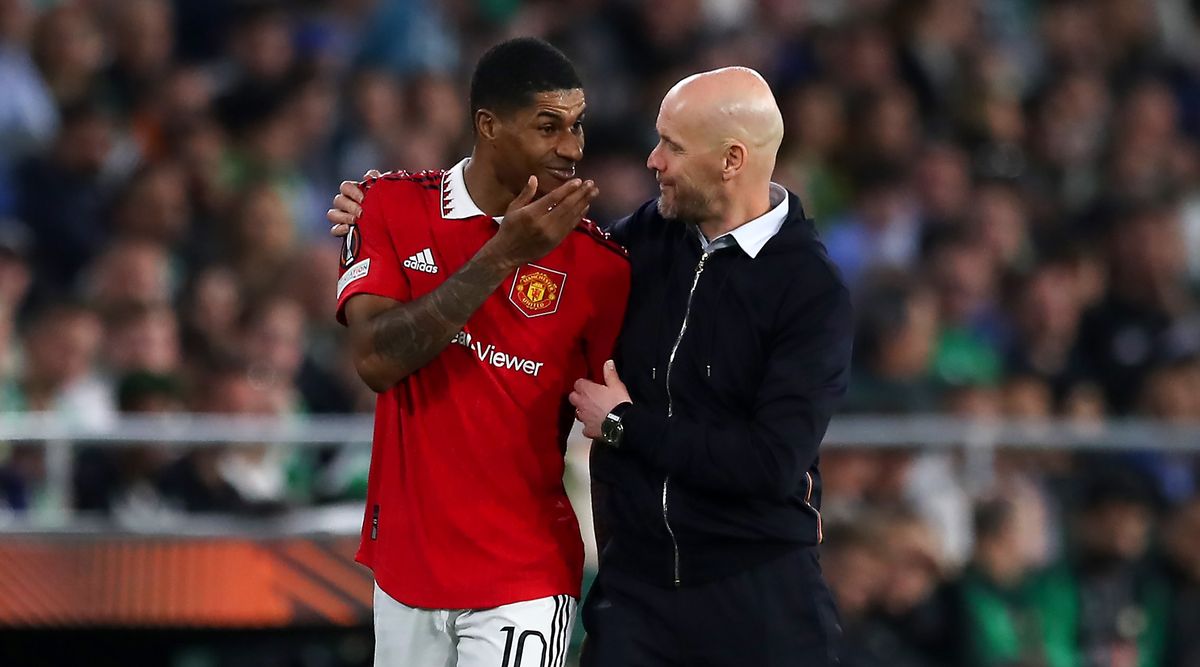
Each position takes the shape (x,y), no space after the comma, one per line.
(575,398)
(555,197)
(583,196)
(610,374)
(339,230)
(526,194)
(372,173)
(351,191)
(345,203)
(571,209)
(339,219)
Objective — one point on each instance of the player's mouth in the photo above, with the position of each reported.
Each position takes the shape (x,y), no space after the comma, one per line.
(562,173)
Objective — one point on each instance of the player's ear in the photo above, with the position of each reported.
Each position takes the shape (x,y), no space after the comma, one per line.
(734,160)
(487,124)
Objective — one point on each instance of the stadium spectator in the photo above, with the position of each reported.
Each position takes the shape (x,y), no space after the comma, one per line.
(1105,602)
(61,347)
(972,328)
(857,572)
(154,207)
(882,231)
(272,337)
(810,160)
(895,337)
(28,114)
(915,605)
(142,45)
(58,376)
(1148,317)
(1045,318)
(141,337)
(122,483)
(217,478)
(210,309)
(129,271)
(69,48)
(63,194)
(1000,625)
(259,241)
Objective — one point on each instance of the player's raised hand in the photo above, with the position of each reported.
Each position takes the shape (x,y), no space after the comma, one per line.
(347,205)
(534,227)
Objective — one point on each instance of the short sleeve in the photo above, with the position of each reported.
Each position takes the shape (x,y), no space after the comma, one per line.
(601,336)
(369,264)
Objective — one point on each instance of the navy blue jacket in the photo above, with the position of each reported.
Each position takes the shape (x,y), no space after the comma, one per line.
(717,471)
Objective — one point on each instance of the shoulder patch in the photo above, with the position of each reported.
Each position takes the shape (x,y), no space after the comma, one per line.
(601,237)
(430,179)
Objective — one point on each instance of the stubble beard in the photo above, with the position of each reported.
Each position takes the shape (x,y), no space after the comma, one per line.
(687,206)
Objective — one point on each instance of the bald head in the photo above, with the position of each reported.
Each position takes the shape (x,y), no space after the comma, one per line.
(718,134)
(729,105)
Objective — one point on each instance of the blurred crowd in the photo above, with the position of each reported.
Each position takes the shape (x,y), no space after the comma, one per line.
(1011,188)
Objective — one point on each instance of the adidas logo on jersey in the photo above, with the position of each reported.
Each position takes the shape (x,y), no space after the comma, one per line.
(422,261)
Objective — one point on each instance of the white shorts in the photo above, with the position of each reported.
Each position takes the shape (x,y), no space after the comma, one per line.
(536,633)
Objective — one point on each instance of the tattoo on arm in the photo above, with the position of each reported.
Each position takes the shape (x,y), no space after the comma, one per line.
(408,337)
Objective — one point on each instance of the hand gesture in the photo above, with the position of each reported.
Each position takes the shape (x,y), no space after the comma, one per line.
(534,227)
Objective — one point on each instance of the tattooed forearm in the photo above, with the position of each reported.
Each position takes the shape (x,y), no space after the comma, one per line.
(407,337)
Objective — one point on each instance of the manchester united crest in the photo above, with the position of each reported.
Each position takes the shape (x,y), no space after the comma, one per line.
(536,290)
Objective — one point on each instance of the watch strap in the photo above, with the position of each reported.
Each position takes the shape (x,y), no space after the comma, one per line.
(620,409)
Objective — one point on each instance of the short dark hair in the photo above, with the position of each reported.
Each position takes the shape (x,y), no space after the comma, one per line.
(508,76)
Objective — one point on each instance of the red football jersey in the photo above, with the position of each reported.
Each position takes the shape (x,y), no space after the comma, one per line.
(465,503)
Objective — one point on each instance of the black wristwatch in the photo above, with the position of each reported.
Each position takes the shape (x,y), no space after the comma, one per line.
(612,429)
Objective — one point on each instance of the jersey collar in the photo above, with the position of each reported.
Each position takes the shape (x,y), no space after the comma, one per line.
(456,201)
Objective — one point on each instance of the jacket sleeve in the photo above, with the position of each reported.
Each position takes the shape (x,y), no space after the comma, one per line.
(622,230)
(766,455)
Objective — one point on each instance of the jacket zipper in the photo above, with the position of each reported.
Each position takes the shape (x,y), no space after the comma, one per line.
(808,503)
(687,311)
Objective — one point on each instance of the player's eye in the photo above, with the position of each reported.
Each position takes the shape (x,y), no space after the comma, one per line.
(546,130)
(577,127)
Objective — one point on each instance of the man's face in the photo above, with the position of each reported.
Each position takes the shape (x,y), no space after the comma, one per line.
(1117,529)
(544,138)
(687,168)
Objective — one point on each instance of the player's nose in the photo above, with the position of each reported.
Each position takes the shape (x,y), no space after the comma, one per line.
(570,147)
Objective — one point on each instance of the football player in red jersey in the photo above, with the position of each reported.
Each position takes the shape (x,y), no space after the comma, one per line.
(474,297)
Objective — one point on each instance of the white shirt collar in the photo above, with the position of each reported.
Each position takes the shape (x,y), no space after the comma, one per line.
(753,235)
(456,201)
